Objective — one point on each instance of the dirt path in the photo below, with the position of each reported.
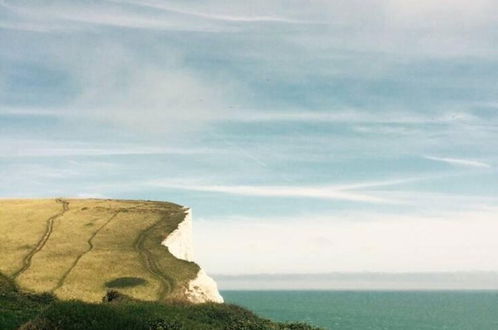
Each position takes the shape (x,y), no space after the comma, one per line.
(150,264)
(41,243)
(90,247)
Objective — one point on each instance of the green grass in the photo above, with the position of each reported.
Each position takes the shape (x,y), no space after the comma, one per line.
(74,248)
(17,308)
(45,312)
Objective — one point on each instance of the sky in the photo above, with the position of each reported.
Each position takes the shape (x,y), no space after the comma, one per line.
(307,136)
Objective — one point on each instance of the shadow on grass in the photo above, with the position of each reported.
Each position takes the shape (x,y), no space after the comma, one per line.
(125,282)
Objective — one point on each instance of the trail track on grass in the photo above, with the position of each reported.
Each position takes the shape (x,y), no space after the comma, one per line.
(149,263)
(90,248)
(26,262)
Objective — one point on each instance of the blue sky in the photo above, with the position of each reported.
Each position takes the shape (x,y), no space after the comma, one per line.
(360,135)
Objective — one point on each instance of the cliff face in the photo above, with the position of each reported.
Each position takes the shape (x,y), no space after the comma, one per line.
(179,243)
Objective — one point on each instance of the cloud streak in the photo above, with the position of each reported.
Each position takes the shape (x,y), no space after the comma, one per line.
(459,162)
(88,16)
(340,192)
(27,148)
(370,116)
(220,17)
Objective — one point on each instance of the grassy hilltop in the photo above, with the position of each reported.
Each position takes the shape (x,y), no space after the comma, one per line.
(78,249)
(98,264)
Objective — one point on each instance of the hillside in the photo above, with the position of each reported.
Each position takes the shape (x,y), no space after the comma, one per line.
(80,249)
(27,311)
(107,264)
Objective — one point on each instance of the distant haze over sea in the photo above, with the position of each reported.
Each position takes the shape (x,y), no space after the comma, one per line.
(361,281)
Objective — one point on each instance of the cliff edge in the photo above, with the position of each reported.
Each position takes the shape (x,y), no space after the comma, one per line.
(180,244)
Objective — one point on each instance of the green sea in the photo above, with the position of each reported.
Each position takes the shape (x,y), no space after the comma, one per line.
(359,310)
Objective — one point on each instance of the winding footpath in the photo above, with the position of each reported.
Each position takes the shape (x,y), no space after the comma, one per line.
(41,243)
(150,264)
(90,248)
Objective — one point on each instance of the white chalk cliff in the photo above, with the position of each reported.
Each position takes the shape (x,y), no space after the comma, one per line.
(179,243)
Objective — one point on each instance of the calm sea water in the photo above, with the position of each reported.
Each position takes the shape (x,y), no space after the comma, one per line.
(467,310)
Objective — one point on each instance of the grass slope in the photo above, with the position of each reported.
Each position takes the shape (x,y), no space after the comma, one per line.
(28,311)
(73,248)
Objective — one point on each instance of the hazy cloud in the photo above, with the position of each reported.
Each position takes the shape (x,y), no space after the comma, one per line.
(372,243)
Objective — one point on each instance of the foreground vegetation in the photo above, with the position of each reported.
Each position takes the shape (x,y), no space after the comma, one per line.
(78,249)
(25,311)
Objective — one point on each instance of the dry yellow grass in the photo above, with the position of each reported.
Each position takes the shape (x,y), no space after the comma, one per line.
(22,224)
(72,248)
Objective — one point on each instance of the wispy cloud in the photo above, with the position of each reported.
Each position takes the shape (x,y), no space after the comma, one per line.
(339,192)
(459,161)
(28,148)
(31,112)
(221,17)
(352,115)
(81,15)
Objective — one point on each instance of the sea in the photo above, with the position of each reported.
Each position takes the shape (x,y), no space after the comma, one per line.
(385,310)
